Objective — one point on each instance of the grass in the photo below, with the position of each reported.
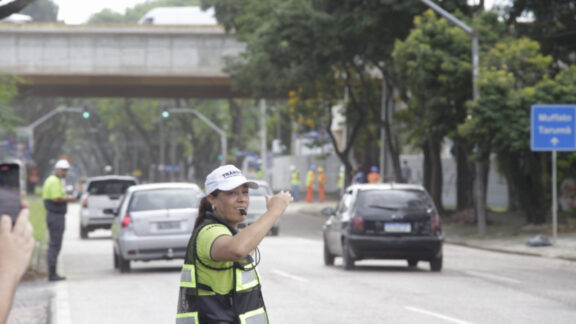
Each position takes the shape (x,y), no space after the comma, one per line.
(37,217)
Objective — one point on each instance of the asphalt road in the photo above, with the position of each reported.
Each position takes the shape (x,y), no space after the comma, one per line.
(474,287)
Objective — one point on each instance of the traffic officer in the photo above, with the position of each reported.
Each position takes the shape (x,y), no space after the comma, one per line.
(56,204)
(219,282)
(295,182)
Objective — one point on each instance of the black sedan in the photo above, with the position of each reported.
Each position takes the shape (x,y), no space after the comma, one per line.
(384,221)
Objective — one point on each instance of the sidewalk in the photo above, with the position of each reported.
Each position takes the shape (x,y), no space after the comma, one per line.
(498,238)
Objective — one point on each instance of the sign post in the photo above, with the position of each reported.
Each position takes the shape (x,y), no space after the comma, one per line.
(552,129)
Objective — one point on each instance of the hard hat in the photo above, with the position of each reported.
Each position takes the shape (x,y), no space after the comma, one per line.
(374,169)
(312,167)
(320,169)
(62,164)
(292,168)
(107,169)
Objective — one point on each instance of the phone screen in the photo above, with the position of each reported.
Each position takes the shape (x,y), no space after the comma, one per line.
(10,200)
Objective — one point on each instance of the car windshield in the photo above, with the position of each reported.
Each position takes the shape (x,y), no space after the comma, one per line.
(107,187)
(260,191)
(392,199)
(165,199)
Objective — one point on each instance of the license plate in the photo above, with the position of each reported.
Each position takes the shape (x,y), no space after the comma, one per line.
(168,225)
(397,228)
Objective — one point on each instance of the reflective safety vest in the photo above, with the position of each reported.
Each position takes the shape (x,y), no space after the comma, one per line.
(295,179)
(310,178)
(321,178)
(243,304)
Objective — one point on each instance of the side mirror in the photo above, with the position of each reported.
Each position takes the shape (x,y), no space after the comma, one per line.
(328,211)
(115,212)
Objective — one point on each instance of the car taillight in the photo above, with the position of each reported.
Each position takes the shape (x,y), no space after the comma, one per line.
(126,220)
(85,202)
(434,222)
(358,223)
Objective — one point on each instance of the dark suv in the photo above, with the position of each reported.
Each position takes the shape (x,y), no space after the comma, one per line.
(101,195)
(384,221)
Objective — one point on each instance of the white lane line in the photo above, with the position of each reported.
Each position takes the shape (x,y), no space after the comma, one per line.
(492,277)
(444,317)
(62,311)
(291,276)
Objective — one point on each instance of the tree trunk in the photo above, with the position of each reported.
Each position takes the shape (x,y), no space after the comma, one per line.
(480,193)
(464,176)
(436,178)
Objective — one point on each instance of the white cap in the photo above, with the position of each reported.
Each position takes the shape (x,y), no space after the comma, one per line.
(62,164)
(226,177)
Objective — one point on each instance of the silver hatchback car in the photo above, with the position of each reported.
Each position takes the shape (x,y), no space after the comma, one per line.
(257,206)
(154,222)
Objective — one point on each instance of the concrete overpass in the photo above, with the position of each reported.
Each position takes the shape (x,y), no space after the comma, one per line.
(118,61)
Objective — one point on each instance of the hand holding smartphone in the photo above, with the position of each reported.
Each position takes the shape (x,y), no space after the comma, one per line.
(10,199)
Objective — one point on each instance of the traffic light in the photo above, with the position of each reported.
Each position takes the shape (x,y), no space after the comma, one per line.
(165,114)
(85,114)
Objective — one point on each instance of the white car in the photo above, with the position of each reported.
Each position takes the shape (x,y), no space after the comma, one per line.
(257,206)
(100,196)
(154,222)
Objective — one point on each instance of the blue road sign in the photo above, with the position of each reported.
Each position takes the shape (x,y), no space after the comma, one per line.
(552,128)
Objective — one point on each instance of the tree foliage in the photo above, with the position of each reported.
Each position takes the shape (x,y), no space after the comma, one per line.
(322,51)
(133,14)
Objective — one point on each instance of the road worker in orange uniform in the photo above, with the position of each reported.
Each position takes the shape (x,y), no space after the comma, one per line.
(373,176)
(321,184)
(310,178)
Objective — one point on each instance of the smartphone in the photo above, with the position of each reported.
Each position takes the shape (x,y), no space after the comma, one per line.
(10,199)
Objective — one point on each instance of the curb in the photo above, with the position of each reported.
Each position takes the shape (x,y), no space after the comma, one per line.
(508,251)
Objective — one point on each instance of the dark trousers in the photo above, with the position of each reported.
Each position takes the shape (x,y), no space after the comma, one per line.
(56,224)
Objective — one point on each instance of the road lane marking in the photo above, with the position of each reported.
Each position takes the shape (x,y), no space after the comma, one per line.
(492,277)
(291,276)
(62,311)
(444,317)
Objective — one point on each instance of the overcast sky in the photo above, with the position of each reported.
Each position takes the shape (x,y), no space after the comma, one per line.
(78,11)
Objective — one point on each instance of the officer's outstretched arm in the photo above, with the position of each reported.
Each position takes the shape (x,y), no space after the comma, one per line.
(234,248)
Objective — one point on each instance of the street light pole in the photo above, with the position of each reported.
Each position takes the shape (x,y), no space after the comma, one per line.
(222,133)
(29,130)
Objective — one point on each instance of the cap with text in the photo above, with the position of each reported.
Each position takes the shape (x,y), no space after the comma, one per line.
(226,177)
(62,164)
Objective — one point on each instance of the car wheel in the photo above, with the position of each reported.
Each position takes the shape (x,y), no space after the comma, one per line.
(436,264)
(123,264)
(115,260)
(412,263)
(328,258)
(347,256)
(83,232)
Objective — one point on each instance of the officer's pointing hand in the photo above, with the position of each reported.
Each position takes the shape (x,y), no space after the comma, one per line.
(280,201)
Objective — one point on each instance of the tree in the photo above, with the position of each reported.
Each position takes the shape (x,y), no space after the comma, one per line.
(552,24)
(133,14)
(320,50)
(433,65)
(8,90)
(509,68)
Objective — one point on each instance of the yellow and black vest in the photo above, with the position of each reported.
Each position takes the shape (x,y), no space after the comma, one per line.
(243,304)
